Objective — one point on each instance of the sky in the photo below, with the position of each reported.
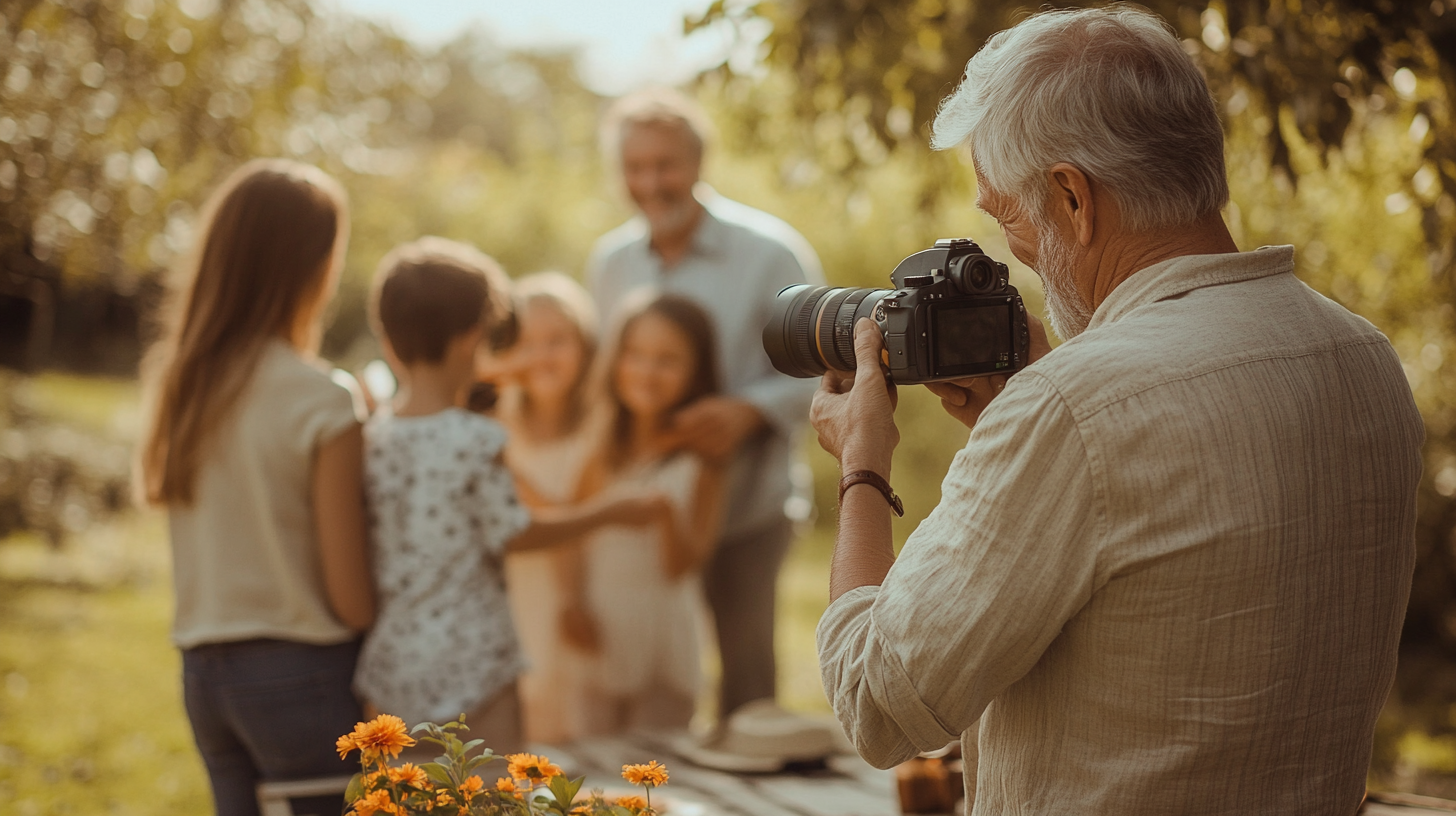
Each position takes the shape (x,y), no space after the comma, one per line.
(626,44)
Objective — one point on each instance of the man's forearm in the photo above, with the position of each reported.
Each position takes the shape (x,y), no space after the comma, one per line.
(863,546)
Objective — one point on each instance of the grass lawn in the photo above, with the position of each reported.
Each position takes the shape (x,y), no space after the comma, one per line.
(91,718)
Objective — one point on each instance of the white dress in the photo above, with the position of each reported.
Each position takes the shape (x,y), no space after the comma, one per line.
(551,688)
(648,624)
(442,507)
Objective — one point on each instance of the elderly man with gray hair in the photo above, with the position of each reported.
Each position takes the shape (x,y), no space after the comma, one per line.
(1169,568)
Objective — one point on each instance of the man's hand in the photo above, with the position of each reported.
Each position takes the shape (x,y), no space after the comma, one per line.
(966,399)
(854,414)
(714,427)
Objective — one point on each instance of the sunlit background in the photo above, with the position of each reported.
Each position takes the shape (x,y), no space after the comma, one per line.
(477,120)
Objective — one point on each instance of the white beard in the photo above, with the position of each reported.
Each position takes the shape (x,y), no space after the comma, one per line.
(1056,263)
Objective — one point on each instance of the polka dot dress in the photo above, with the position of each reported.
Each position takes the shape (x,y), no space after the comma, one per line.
(442,506)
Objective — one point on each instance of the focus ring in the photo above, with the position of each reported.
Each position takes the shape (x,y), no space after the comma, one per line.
(803,327)
(844,327)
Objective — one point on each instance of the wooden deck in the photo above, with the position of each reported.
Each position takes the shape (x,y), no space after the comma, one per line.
(846,787)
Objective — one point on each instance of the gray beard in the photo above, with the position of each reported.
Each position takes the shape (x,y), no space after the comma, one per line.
(1056,261)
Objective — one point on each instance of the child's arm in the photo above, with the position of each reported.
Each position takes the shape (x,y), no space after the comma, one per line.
(687,546)
(578,627)
(338,511)
(551,526)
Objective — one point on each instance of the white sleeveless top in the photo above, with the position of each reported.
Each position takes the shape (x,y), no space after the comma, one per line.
(649,624)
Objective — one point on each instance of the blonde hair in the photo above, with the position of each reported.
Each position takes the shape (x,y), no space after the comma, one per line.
(555,290)
(267,239)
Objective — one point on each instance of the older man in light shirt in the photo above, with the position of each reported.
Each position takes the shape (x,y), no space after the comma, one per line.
(1169,569)
(731,259)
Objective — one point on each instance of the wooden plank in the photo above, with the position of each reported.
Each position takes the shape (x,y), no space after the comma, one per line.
(850,787)
(713,793)
(827,796)
(1381,803)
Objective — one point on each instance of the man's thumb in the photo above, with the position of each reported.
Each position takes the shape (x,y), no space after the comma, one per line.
(867,345)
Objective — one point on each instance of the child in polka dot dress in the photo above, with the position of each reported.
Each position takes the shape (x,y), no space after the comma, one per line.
(443,508)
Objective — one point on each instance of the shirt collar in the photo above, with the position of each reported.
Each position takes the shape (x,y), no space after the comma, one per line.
(710,238)
(1178,276)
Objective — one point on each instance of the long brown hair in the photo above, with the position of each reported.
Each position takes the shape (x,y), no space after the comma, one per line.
(267,239)
(697,327)
(555,290)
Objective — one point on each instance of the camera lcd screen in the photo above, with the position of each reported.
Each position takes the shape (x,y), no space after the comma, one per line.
(972,339)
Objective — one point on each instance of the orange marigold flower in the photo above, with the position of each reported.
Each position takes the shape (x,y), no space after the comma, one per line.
(653,773)
(532,768)
(505,785)
(631,802)
(385,734)
(346,745)
(471,786)
(410,774)
(376,802)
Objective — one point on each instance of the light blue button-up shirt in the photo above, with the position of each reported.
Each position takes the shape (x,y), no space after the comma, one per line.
(739,259)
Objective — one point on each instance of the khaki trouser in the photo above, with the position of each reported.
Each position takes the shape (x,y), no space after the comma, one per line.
(741,583)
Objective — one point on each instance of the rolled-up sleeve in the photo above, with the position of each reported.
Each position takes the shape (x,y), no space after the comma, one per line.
(981,588)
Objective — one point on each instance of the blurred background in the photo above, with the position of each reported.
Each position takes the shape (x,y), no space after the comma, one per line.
(477,121)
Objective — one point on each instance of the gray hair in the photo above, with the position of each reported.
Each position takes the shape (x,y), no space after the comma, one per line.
(661,107)
(1108,90)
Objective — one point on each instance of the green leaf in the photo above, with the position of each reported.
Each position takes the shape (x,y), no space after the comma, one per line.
(356,788)
(473,743)
(475,762)
(565,790)
(438,773)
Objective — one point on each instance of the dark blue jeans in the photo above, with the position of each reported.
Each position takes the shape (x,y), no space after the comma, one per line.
(269,710)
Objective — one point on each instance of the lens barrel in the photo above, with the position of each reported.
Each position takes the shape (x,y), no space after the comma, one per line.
(811,328)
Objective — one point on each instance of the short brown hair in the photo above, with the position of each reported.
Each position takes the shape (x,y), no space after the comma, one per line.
(430,291)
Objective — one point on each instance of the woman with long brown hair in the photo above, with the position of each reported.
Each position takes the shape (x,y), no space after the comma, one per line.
(255,451)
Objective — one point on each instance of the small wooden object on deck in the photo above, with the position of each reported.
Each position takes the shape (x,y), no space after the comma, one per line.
(277,798)
(929,785)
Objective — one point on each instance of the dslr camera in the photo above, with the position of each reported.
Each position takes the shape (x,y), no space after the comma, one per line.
(952,314)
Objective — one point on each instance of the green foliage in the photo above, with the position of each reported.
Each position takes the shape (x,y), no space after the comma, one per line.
(91,716)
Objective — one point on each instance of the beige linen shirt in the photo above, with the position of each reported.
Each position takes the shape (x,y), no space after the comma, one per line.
(245,554)
(1169,569)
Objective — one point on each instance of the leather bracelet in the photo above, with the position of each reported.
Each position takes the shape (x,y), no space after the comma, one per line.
(875,480)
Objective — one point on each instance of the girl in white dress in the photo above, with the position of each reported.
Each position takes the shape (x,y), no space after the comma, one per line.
(543,410)
(639,609)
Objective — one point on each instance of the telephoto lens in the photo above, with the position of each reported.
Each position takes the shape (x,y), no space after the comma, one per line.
(953,314)
(812,327)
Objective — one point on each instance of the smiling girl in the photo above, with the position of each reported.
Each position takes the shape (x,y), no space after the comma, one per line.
(639,609)
(544,410)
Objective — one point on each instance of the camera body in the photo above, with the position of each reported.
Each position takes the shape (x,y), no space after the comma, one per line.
(953,314)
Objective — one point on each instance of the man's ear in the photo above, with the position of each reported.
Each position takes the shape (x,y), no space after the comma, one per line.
(1071,198)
